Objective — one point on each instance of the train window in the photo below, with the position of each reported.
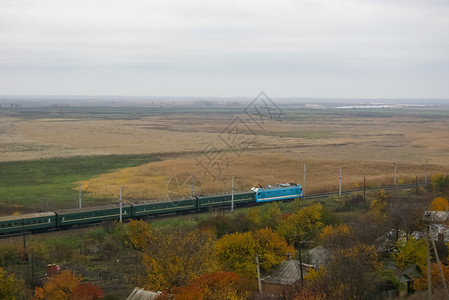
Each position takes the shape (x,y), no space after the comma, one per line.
(3,225)
(49,221)
(9,224)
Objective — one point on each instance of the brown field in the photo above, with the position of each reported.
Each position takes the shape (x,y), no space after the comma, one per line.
(258,153)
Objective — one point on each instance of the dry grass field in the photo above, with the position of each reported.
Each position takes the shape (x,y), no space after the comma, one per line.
(173,177)
(215,147)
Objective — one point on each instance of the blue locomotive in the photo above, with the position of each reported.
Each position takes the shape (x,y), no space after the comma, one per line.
(283,191)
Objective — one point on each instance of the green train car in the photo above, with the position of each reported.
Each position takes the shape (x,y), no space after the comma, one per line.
(218,200)
(73,217)
(161,207)
(27,222)
(70,217)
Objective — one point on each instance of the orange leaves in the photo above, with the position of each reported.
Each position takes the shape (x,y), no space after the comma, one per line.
(67,286)
(421,283)
(62,286)
(87,291)
(217,285)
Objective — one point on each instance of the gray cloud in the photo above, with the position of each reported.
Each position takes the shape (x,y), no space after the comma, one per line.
(293,48)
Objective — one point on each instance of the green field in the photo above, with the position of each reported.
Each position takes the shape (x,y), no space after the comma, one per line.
(49,184)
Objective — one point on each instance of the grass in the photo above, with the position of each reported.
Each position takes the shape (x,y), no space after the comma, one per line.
(52,181)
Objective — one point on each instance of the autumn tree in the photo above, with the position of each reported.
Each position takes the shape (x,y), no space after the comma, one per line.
(339,236)
(272,248)
(439,204)
(87,291)
(378,207)
(213,286)
(435,275)
(10,286)
(174,257)
(237,251)
(411,252)
(350,274)
(272,216)
(221,225)
(60,287)
(404,214)
(139,234)
(440,182)
(305,223)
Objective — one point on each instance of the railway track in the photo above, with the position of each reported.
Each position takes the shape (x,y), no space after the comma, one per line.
(349,192)
(312,196)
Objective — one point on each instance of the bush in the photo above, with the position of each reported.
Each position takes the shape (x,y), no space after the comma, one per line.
(9,254)
(440,182)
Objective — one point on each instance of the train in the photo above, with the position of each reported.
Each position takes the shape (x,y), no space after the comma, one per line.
(60,219)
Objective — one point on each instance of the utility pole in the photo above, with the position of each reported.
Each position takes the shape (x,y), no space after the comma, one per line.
(258,274)
(232,196)
(425,179)
(339,189)
(304,185)
(121,203)
(300,263)
(79,194)
(394,173)
(364,188)
(438,260)
(193,186)
(135,271)
(32,266)
(23,233)
(429,280)
(416,181)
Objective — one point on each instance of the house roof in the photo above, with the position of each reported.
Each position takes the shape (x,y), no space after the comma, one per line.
(141,294)
(319,255)
(287,273)
(436,216)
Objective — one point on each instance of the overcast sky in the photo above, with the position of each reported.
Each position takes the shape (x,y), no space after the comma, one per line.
(287,48)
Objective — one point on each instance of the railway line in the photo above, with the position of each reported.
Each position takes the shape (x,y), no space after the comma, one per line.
(86,217)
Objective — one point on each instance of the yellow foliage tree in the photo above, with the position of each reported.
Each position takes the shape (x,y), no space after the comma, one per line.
(378,208)
(439,204)
(272,217)
(237,251)
(272,248)
(411,252)
(338,236)
(305,223)
(440,182)
(10,286)
(173,258)
(139,234)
